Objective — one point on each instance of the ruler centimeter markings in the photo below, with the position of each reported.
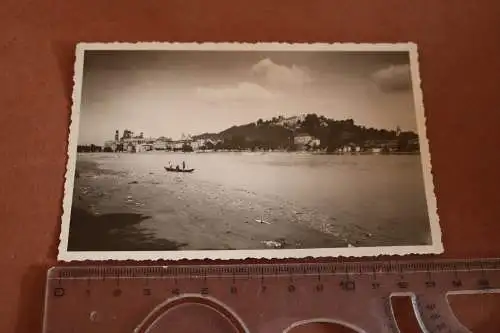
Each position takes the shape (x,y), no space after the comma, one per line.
(262,298)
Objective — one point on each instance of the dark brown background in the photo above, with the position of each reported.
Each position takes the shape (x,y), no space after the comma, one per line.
(459,45)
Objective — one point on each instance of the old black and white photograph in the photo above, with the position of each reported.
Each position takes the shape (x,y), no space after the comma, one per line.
(267,150)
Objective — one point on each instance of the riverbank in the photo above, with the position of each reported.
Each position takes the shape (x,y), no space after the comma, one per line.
(246,201)
(120,211)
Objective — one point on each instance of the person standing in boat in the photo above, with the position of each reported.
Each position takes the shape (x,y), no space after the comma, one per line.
(183,165)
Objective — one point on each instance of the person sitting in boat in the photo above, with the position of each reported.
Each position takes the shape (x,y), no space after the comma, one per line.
(177,167)
(170,165)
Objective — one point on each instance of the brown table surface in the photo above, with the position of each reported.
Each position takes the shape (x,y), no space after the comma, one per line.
(459,44)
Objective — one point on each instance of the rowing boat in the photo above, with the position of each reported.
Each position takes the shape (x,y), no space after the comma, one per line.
(178,170)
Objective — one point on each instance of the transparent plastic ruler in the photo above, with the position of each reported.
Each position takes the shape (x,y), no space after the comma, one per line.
(260,298)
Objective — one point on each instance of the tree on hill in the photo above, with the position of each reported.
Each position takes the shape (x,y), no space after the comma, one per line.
(311,123)
(205,136)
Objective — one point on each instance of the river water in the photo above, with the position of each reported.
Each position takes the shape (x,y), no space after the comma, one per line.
(365,200)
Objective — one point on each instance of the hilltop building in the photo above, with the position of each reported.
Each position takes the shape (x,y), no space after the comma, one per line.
(291,122)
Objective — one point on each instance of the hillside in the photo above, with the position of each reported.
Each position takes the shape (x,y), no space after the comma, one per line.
(278,133)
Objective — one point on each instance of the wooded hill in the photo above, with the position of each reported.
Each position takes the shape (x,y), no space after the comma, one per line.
(279,133)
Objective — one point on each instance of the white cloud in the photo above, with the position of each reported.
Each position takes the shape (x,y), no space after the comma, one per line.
(271,79)
(393,78)
(243,91)
(279,76)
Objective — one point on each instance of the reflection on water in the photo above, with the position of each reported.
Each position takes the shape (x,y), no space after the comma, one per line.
(360,199)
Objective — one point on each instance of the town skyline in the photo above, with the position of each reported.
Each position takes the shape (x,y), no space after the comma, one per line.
(197,91)
(186,135)
(306,132)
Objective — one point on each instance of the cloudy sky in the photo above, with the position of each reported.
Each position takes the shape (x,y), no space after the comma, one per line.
(168,93)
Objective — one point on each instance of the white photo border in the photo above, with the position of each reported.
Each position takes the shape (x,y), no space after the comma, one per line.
(436,233)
